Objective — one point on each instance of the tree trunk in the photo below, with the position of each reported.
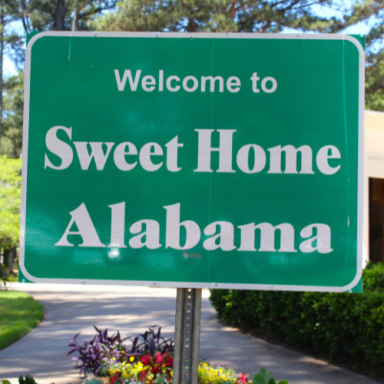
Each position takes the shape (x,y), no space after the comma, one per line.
(9,258)
(12,258)
(61,10)
(6,257)
(75,22)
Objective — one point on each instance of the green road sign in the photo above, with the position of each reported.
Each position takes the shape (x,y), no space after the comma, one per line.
(193,160)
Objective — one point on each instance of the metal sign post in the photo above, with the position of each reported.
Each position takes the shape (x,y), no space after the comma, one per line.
(187,336)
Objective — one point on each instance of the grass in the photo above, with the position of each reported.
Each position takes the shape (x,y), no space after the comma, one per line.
(20,313)
(11,279)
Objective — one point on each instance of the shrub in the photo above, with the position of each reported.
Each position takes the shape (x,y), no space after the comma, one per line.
(4,275)
(346,327)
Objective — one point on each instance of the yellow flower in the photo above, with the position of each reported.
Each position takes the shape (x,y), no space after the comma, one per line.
(131,358)
(126,375)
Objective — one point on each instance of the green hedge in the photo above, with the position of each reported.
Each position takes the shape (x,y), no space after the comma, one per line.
(346,327)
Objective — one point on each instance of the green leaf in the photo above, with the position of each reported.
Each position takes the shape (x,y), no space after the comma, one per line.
(283,382)
(262,377)
(94,381)
(161,378)
(4,381)
(29,379)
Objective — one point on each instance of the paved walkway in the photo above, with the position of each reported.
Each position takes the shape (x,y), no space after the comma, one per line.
(71,309)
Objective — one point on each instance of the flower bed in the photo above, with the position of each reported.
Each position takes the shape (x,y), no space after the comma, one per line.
(147,368)
(148,360)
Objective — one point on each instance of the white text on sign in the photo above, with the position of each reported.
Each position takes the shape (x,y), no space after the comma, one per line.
(152,156)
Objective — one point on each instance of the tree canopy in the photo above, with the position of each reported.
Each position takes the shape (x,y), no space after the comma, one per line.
(57,15)
(10,198)
(374,73)
(216,16)
(11,143)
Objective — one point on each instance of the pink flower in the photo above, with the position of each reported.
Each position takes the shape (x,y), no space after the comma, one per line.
(243,378)
(158,358)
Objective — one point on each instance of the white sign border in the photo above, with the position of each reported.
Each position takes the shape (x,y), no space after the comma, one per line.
(198,36)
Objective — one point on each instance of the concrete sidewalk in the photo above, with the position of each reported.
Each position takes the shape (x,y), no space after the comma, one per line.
(70,309)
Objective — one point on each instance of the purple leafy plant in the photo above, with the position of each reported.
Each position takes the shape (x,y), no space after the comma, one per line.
(154,342)
(93,352)
(104,347)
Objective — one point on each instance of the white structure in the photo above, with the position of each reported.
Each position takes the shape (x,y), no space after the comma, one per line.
(374,187)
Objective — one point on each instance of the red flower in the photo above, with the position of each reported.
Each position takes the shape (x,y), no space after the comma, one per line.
(156,369)
(243,378)
(168,359)
(146,360)
(115,377)
(158,358)
(143,375)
